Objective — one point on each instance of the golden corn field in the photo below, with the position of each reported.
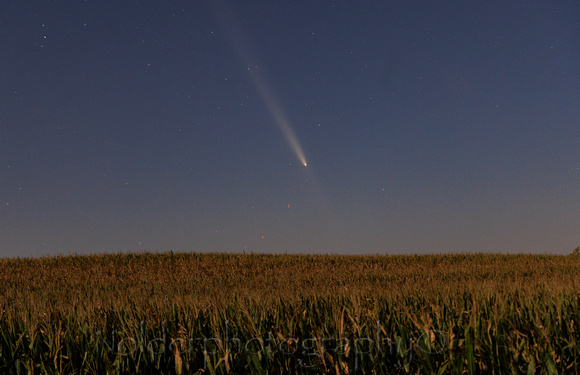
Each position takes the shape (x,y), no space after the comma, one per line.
(191,313)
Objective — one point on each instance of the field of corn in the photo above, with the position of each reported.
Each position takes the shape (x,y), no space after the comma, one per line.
(191,313)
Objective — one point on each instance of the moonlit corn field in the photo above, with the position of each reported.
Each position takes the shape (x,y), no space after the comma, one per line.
(191,313)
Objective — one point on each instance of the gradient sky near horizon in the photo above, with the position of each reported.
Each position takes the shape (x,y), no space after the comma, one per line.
(428,126)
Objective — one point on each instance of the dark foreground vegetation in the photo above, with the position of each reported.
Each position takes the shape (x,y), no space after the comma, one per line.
(188,313)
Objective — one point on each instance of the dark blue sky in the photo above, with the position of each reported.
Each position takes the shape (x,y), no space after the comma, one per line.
(428,126)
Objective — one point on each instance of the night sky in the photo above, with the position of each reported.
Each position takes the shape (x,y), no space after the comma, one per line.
(426,126)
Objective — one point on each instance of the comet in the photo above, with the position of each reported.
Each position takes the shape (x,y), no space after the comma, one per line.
(278,114)
(234,33)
